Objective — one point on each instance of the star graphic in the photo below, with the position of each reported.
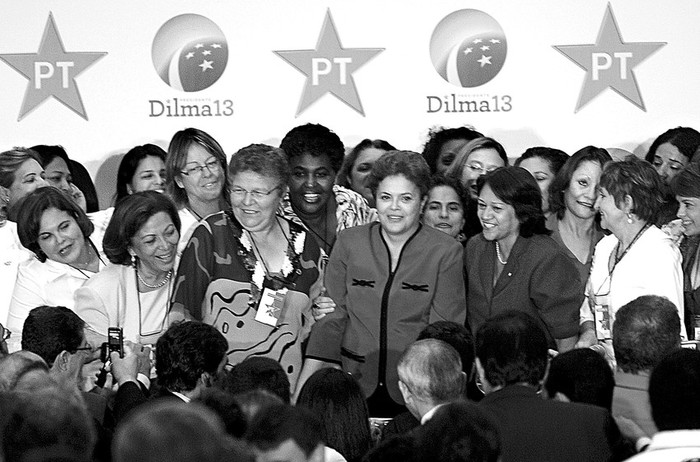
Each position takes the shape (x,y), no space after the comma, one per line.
(477,41)
(206,65)
(610,63)
(206,52)
(189,55)
(467,51)
(51,72)
(216,45)
(495,41)
(199,45)
(329,68)
(485,47)
(484,60)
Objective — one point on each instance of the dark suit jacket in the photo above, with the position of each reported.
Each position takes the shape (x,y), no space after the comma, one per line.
(538,279)
(538,430)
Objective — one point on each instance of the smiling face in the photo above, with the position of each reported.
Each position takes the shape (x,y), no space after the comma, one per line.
(541,170)
(149,176)
(204,186)
(28,177)
(311,185)
(497,218)
(444,210)
(448,152)
(155,244)
(480,162)
(611,217)
(581,195)
(60,237)
(58,175)
(668,162)
(689,213)
(360,172)
(399,203)
(255,213)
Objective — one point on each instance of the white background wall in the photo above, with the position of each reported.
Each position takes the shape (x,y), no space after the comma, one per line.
(393,87)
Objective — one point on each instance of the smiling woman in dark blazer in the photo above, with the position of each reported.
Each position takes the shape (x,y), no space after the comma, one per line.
(514,265)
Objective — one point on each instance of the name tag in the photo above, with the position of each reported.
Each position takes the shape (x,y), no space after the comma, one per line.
(602,317)
(271,305)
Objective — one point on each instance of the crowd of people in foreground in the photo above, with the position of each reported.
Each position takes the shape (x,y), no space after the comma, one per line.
(301,303)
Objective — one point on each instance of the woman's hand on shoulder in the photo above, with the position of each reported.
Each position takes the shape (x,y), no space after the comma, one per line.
(586,339)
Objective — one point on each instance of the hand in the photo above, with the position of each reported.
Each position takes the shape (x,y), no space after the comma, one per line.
(127,368)
(629,428)
(322,306)
(587,339)
(78,197)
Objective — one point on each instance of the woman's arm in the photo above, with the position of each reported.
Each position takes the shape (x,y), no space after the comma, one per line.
(91,309)
(449,300)
(26,296)
(194,274)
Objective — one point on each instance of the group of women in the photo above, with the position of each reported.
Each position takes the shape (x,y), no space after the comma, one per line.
(316,258)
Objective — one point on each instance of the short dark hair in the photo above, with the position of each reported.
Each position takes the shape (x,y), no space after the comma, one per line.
(687,182)
(562,179)
(316,140)
(224,404)
(432,370)
(512,348)
(174,431)
(262,159)
(685,139)
(351,157)
(274,425)
(47,154)
(177,157)
(674,391)
(638,179)
(187,350)
(438,136)
(457,336)
(49,423)
(406,163)
(337,400)
(556,158)
(644,331)
(49,330)
(130,162)
(583,376)
(130,214)
(257,372)
(459,431)
(32,207)
(516,187)
(440,179)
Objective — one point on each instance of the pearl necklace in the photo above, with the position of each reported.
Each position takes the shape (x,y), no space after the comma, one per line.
(158,284)
(501,260)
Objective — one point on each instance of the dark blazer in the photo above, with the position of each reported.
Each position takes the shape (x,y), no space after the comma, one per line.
(538,279)
(538,430)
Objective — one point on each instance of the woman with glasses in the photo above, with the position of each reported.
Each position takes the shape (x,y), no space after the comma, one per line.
(476,158)
(249,272)
(134,292)
(636,259)
(197,180)
(57,231)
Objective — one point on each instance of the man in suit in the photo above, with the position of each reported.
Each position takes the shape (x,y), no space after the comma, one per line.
(511,360)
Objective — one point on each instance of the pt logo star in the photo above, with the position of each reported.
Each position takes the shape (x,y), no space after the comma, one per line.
(329,68)
(51,72)
(610,63)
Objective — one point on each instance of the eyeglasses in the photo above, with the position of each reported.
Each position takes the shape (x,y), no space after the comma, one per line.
(211,165)
(240,193)
(476,167)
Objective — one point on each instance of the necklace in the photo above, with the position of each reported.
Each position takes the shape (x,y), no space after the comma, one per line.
(617,248)
(501,260)
(157,285)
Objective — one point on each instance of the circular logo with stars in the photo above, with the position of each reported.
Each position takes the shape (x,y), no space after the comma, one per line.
(468,48)
(189,52)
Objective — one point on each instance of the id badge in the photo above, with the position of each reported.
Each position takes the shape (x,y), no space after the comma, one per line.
(602,317)
(270,306)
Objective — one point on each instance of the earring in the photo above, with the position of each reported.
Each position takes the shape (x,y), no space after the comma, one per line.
(133,261)
(629,218)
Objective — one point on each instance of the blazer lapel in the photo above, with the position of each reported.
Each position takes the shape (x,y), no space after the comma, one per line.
(486,269)
(511,268)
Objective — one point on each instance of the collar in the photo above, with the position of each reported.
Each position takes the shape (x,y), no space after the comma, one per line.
(674,439)
(181,396)
(429,415)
